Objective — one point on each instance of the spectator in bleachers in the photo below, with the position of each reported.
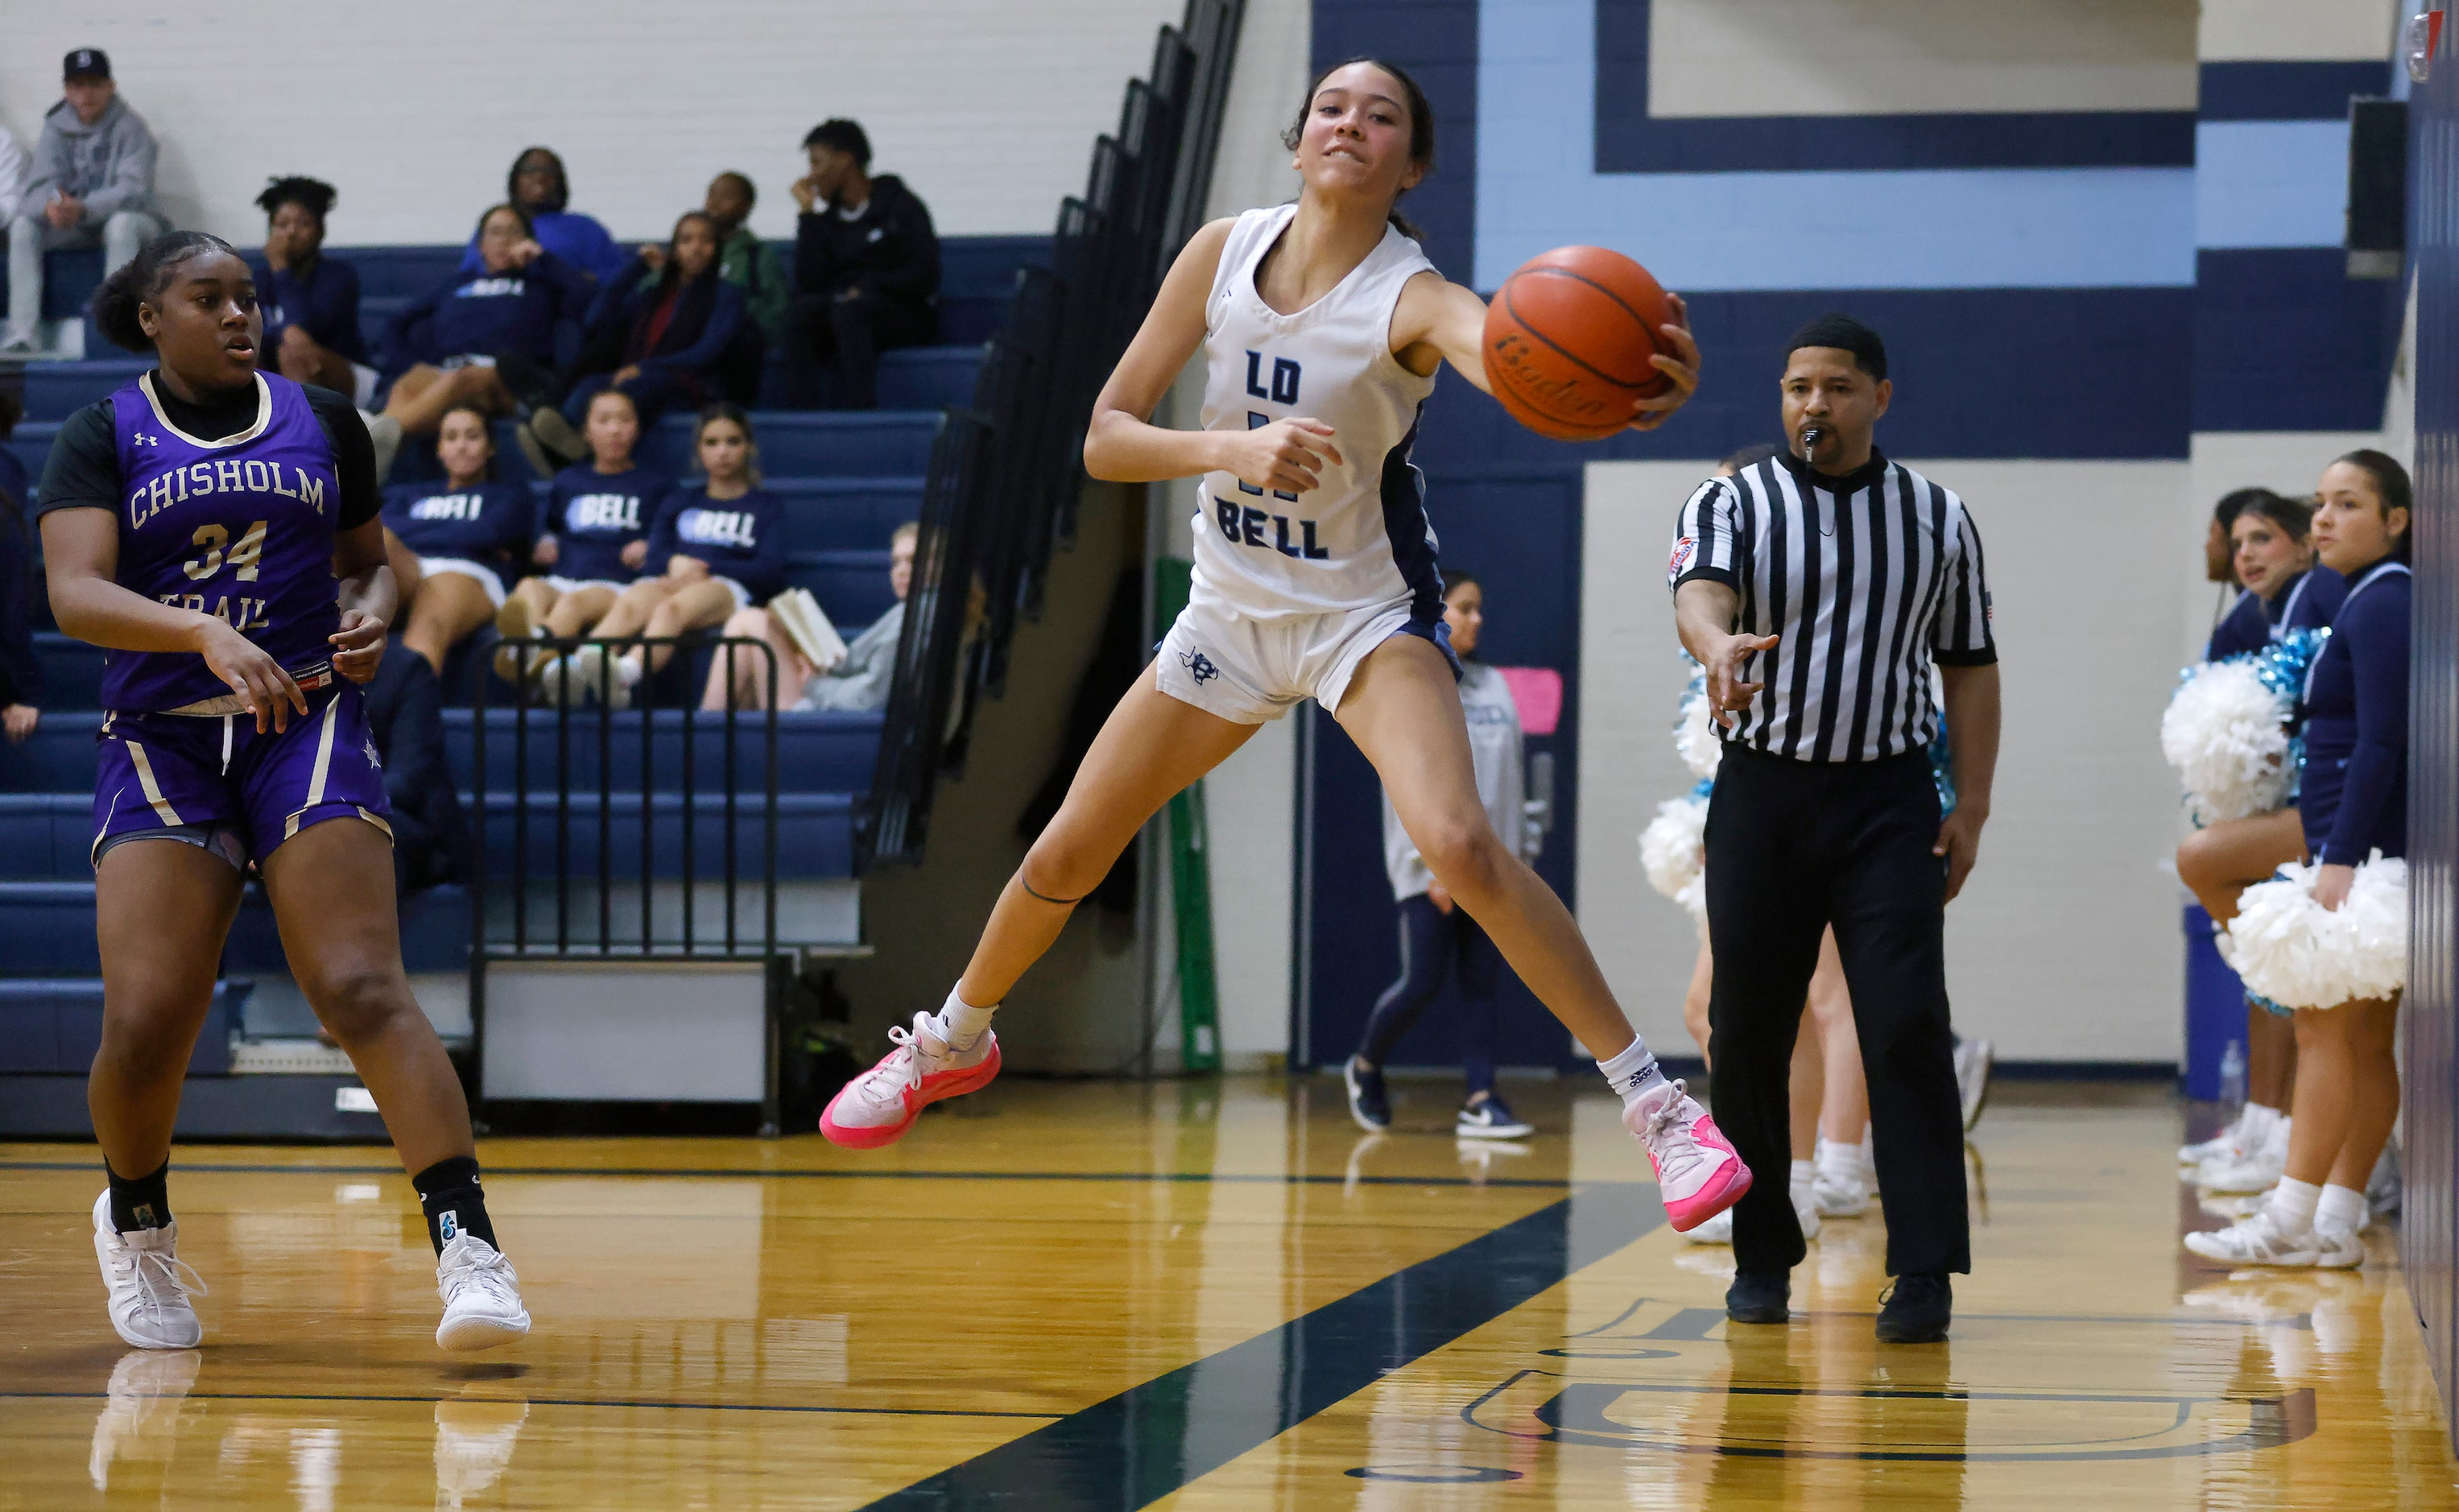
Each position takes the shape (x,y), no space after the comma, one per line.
(21,676)
(717,545)
(91,185)
(593,536)
(452,544)
(431,838)
(538,184)
(857,684)
(310,301)
(656,333)
(865,269)
(746,261)
(484,339)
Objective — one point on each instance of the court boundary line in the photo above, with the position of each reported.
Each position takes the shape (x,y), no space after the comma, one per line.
(1132,1449)
(732,1173)
(547,1401)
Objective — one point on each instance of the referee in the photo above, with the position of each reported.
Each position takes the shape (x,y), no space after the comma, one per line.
(1818,588)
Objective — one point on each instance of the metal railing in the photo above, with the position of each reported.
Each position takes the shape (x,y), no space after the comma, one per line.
(1006,473)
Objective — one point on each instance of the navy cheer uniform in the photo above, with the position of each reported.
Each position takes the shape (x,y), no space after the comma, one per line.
(481,532)
(2353,796)
(592,516)
(229,509)
(2305,601)
(742,539)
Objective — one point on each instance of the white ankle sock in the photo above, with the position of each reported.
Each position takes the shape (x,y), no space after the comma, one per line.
(1804,1172)
(1839,1163)
(2291,1205)
(2342,1210)
(961,1023)
(1632,1073)
(2257,1128)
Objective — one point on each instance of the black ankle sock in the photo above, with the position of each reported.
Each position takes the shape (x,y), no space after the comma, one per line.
(140,1201)
(448,1191)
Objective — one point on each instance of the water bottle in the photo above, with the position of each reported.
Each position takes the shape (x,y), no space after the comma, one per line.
(2232,1075)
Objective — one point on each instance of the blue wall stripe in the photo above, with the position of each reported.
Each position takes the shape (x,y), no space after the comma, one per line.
(2249,91)
(2273,183)
(1149,1440)
(1930,228)
(1630,140)
(2285,340)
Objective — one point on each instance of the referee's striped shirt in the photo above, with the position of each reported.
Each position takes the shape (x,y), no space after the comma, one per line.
(1866,579)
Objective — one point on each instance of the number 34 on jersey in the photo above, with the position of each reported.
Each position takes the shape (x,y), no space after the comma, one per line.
(220,554)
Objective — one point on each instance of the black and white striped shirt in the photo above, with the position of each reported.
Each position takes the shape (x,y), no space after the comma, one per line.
(1866,579)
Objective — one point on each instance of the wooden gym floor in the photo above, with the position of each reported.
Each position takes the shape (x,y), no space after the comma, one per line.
(1198,1296)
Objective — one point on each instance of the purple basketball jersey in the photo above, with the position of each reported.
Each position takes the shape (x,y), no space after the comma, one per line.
(241,529)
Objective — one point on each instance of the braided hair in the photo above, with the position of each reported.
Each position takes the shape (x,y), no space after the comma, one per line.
(144,278)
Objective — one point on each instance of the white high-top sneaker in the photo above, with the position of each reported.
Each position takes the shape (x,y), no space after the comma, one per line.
(482,1299)
(149,1283)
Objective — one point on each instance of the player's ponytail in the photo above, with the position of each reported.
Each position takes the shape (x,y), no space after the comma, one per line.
(142,278)
(1422,126)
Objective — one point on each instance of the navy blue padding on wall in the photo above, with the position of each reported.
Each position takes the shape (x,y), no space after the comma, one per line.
(1630,140)
(2285,340)
(2299,91)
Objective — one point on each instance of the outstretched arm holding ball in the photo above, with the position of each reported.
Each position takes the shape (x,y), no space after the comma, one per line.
(1439,321)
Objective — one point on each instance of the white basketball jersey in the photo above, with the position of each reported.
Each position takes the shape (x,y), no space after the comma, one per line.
(1360,537)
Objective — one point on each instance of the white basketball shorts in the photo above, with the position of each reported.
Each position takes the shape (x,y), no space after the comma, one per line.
(1252,671)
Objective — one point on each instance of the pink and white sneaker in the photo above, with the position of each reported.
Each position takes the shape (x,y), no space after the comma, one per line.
(878,1107)
(1696,1169)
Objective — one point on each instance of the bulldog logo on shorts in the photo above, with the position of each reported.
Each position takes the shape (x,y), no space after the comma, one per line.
(1684,550)
(1199,666)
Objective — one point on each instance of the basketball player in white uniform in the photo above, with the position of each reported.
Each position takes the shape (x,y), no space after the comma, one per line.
(1322,325)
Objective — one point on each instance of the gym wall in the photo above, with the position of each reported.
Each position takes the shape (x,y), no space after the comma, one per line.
(415,111)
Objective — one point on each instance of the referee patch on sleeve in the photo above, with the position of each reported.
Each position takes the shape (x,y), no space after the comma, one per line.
(1684,550)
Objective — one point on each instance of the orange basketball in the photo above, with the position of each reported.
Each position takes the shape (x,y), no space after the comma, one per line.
(1567,340)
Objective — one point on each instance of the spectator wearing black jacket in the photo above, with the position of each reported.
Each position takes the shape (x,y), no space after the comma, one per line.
(657,331)
(865,269)
(21,677)
(431,838)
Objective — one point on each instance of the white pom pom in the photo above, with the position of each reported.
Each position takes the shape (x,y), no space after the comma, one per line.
(1699,738)
(2299,955)
(2227,735)
(1674,851)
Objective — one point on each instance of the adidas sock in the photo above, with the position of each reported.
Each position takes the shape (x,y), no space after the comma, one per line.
(2342,1210)
(140,1201)
(448,1190)
(2291,1205)
(961,1023)
(1632,1073)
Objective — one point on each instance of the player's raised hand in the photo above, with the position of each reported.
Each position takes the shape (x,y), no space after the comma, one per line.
(1682,369)
(255,677)
(1728,695)
(1284,457)
(358,646)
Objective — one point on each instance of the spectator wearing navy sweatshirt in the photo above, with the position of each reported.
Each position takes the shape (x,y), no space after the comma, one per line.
(593,536)
(718,546)
(538,185)
(656,336)
(310,301)
(865,269)
(453,545)
(484,339)
(21,676)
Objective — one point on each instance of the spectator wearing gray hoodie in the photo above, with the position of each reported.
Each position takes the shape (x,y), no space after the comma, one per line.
(92,184)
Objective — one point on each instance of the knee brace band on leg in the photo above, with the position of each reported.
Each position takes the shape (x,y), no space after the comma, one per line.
(1044,896)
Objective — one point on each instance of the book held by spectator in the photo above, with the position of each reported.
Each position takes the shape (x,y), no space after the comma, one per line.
(806,624)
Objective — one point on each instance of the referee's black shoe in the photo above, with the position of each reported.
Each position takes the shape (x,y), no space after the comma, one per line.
(1759,1298)
(1914,1311)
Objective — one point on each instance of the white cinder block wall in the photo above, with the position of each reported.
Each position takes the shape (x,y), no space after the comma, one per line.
(987,108)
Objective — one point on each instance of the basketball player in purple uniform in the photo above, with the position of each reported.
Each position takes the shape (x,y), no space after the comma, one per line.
(216,528)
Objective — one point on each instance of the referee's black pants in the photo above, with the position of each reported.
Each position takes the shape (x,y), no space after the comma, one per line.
(1794,847)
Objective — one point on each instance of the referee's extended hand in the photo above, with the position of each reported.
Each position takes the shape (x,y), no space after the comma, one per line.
(1958,845)
(1728,695)
(1681,367)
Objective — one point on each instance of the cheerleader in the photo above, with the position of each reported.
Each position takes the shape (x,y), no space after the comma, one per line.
(2273,557)
(2329,940)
